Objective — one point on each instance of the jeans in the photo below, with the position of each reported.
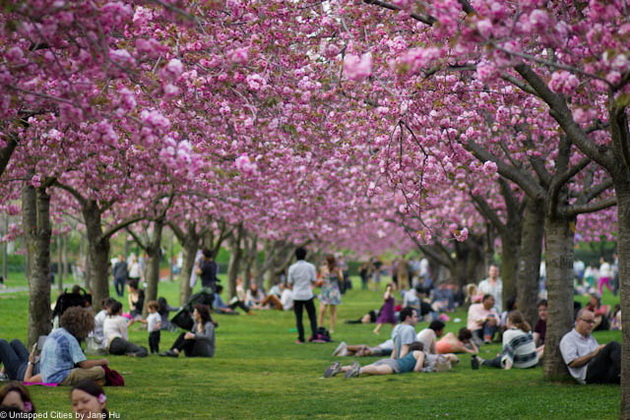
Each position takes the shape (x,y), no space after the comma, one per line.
(13,357)
(298,308)
(121,347)
(119,285)
(605,368)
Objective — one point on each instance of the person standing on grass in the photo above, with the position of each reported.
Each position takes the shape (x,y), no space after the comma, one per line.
(588,361)
(121,273)
(301,278)
(494,286)
(330,293)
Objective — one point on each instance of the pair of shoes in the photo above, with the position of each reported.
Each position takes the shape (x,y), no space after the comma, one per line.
(341,350)
(170,353)
(332,370)
(354,371)
(474,362)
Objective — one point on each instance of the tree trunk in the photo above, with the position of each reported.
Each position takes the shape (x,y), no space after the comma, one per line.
(559,252)
(190,240)
(509,258)
(236,256)
(154,253)
(529,260)
(38,229)
(98,254)
(622,189)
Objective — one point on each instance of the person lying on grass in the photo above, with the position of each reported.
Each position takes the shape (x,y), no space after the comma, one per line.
(462,343)
(412,361)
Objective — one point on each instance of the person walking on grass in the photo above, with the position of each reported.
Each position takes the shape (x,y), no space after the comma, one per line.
(411,362)
(387,315)
(301,278)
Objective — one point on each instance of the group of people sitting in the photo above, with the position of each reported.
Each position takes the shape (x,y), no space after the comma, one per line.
(61,360)
(87,397)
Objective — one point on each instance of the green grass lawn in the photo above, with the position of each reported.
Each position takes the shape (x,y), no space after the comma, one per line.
(259,372)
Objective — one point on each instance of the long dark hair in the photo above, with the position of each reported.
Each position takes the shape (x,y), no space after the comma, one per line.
(94,389)
(204,313)
(25,396)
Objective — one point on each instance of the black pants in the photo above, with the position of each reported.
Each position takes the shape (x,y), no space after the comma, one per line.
(181,344)
(154,341)
(298,308)
(120,347)
(239,304)
(605,368)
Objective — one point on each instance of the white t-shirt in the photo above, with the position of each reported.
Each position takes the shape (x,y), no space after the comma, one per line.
(152,322)
(287,299)
(301,275)
(115,326)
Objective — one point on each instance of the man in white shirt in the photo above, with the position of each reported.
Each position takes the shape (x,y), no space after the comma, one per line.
(589,362)
(301,278)
(494,286)
(483,319)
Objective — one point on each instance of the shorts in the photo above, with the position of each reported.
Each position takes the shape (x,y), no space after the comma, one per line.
(389,362)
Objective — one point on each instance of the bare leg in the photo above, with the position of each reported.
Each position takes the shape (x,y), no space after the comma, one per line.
(451,358)
(377,370)
(333,318)
(322,313)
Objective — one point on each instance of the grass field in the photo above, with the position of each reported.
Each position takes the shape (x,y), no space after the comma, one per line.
(258,372)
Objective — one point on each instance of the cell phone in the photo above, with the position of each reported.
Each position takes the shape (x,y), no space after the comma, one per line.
(40,342)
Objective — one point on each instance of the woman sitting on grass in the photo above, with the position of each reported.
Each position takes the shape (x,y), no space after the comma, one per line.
(116,331)
(519,349)
(413,361)
(200,341)
(461,344)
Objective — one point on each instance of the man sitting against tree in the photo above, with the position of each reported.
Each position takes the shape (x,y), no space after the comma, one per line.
(483,319)
(589,362)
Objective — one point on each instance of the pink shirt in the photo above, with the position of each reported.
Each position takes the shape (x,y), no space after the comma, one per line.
(477,314)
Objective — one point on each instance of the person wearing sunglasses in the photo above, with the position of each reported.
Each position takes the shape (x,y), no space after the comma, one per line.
(589,362)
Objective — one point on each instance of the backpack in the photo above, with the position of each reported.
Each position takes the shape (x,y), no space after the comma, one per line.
(67,300)
(323,336)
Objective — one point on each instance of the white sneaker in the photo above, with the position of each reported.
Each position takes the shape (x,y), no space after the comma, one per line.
(341,350)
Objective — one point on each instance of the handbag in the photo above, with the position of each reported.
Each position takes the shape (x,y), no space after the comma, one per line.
(112,377)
